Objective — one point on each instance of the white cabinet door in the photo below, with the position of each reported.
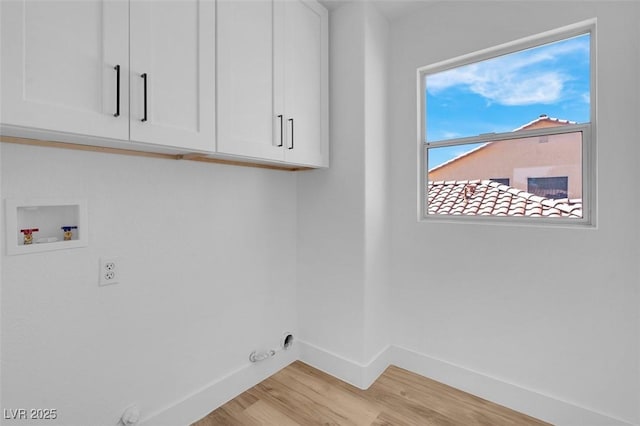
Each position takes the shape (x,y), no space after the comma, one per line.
(248,123)
(173,73)
(58,66)
(272,80)
(304,59)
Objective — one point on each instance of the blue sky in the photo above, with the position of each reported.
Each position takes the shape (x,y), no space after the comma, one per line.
(503,93)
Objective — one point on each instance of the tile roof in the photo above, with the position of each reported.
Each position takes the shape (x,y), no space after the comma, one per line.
(488,198)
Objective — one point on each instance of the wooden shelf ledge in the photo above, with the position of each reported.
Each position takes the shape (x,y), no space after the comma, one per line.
(122,151)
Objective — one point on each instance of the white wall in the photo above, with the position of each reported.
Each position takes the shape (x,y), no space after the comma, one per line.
(331,205)
(207,258)
(343,236)
(550,310)
(376,190)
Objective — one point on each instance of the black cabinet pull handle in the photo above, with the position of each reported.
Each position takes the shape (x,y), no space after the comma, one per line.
(144,78)
(281,130)
(291,121)
(117,68)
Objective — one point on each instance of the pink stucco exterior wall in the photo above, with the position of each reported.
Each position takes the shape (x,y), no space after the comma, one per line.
(519,159)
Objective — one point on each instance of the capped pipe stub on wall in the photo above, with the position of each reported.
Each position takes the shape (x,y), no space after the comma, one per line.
(261,356)
(131,416)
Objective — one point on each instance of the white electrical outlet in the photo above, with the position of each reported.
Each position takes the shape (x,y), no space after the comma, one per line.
(109,272)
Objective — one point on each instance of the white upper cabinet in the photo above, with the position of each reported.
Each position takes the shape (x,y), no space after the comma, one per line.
(59,62)
(303,52)
(173,73)
(246,115)
(76,66)
(242,78)
(273,80)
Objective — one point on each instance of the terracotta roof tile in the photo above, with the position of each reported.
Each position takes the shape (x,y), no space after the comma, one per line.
(487,197)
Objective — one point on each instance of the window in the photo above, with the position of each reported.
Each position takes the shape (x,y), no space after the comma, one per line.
(502,181)
(506,132)
(549,187)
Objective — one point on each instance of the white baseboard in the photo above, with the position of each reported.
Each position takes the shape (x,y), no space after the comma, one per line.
(535,404)
(200,403)
(526,401)
(350,371)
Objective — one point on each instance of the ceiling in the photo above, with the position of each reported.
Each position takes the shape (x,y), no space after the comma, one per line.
(392,9)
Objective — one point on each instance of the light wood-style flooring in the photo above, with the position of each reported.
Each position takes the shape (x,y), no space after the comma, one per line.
(300,395)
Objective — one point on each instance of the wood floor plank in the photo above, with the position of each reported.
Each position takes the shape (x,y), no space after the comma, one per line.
(300,395)
(355,409)
(266,414)
(460,406)
(442,403)
(313,408)
(298,407)
(389,418)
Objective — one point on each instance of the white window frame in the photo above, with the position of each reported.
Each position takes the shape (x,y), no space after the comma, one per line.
(589,206)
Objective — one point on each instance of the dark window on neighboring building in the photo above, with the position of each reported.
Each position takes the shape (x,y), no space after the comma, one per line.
(503,181)
(549,187)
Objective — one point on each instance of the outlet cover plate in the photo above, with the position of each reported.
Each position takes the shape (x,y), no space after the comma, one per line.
(109,271)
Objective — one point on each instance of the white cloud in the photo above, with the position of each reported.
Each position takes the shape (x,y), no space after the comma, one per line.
(523,78)
(450,135)
(536,89)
